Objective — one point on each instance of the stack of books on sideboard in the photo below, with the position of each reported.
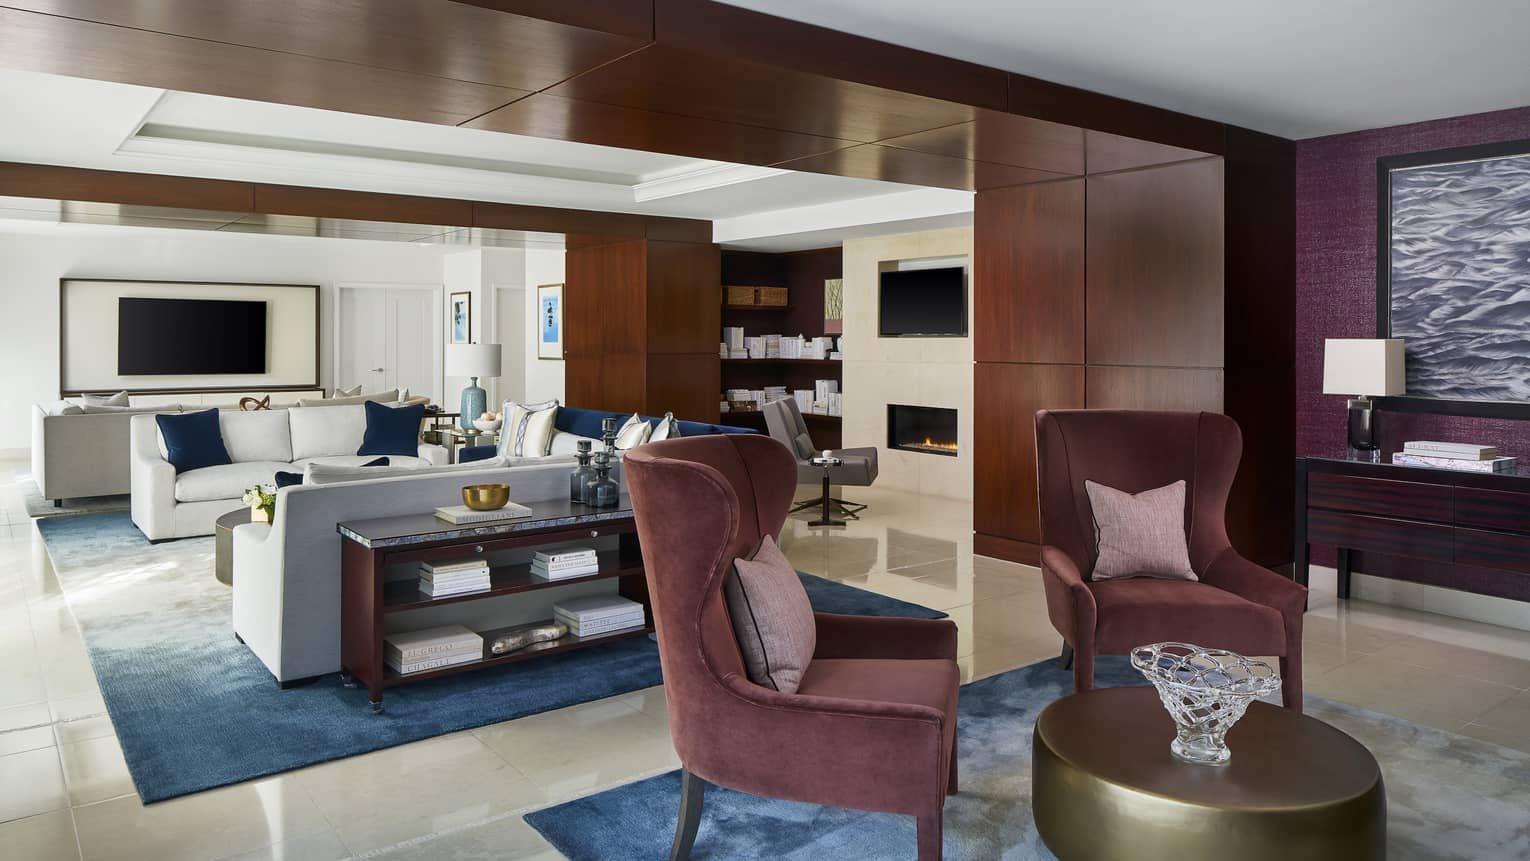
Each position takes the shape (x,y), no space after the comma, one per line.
(563,564)
(432,649)
(454,577)
(594,615)
(1465,457)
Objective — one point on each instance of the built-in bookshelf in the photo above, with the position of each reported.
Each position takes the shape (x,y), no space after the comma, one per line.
(802,273)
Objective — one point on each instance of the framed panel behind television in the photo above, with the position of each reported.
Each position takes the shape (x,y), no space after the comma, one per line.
(184,337)
(1453,277)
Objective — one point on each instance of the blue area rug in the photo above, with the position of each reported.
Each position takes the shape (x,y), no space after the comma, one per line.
(1448,796)
(194,709)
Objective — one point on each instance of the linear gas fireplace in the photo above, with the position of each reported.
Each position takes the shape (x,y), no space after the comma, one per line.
(928,430)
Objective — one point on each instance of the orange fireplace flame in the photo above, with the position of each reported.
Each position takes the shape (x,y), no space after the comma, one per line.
(943,446)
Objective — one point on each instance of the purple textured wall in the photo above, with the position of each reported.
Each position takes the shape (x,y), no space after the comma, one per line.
(1336,273)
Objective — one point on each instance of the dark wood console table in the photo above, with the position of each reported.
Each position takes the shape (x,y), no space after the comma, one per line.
(1471,529)
(368,597)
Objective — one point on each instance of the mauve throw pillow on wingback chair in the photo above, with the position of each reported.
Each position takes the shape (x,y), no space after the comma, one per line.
(872,723)
(1233,604)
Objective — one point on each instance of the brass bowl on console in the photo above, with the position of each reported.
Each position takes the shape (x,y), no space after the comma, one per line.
(486,497)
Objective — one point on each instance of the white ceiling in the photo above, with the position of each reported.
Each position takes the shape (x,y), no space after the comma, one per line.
(1294,68)
(84,123)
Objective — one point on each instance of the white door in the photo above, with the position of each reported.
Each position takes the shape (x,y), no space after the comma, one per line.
(389,338)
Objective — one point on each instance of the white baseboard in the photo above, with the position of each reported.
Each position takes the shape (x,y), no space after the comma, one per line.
(1430,599)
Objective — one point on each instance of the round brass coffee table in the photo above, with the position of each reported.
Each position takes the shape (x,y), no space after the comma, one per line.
(1104,785)
(223,543)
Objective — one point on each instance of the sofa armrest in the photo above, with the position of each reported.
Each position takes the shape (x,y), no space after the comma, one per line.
(152,479)
(435,455)
(1070,604)
(842,636)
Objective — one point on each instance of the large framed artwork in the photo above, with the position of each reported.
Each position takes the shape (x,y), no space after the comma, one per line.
(550,321)
(1453,277)
(462,318)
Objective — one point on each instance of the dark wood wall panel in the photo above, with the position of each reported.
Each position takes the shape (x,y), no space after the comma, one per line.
(336,203)
(1260,339)
(687,385)
(1107,152)
(1155,280)
(1006,398)
(1028,290)
(996,137)
(684,314)
(605,345)
(137,189)
(1112,387)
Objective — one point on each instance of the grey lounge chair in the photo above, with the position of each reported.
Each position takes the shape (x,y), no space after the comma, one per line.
(857,468)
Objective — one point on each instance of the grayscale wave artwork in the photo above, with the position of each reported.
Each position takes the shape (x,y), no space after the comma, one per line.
(1461,278)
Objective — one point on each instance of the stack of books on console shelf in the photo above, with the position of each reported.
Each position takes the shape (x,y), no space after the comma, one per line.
(454,577)
(733,343)
(599,614)
(1465,457)
(563,564)
(432,649)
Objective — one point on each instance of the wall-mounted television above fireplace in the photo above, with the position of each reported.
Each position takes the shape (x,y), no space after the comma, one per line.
(157,337)
(923,303)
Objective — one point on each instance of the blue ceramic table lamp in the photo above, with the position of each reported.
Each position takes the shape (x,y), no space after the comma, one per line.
(473,361)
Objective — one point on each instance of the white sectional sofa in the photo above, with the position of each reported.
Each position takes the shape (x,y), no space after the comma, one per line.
(260,443)
(78,452)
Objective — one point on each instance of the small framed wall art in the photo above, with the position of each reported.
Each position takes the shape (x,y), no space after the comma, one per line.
(550,322)
(462,318)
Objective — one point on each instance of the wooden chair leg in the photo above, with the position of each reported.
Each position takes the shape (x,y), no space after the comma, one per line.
(692,794)
(930,835)
(1065,660)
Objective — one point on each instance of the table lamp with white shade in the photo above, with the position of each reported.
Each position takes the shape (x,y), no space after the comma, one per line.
(473,361)
(1363,368)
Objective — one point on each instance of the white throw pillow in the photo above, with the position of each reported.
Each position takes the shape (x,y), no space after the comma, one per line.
(325,473)
(387,397)
(668,428)
(120,399)
(256,435)
(567,443)
(327,431)
(634,433)
(527,430)
(351,392)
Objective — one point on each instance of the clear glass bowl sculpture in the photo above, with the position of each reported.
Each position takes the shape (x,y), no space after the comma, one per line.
(1206,691)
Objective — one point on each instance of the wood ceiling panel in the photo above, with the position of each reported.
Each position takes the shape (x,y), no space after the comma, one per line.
(1072,106)
(367,206)
(140,189)
(548,116)
(687,83)
(1001,138)
(890,164)
(423,37)
(64,46)
(633,18)
(1107,152)
(722,30)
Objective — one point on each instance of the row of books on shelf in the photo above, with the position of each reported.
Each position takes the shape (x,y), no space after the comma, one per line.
(823,399)
(445,578)
(1464,457)
(736,345)
(409,652)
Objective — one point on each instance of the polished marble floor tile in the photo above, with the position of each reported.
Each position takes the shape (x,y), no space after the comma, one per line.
(45,837)
(574,750)
(31,782)
(1380,683)
(94,770)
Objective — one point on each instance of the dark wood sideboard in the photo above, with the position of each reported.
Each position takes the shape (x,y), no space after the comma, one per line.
(1460,530)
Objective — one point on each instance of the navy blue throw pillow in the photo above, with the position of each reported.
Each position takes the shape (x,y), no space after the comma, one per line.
(193,440)
(392,430)
(288,479)
(382,461)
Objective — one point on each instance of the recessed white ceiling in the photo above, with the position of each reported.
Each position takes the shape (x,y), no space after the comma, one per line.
(1294,68)
(96,124)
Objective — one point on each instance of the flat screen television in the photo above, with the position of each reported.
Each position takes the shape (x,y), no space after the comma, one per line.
(190,336)
(923,303)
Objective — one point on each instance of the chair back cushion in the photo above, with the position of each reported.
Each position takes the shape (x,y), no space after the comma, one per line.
(1140,534)
(256,435)
(327,431)
(1133,451)
(772,618)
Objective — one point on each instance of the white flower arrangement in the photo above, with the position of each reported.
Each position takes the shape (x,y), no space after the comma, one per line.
(258,497)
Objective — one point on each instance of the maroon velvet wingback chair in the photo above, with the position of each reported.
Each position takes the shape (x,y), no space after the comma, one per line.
(873,724)
(1236,605)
